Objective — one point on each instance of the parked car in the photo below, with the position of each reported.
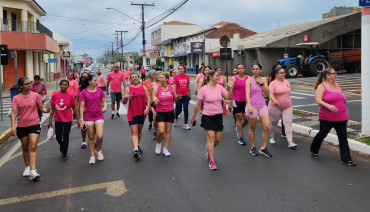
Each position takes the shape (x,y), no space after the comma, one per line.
(309,65)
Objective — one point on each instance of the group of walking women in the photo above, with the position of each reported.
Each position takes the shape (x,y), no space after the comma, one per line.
(85,101)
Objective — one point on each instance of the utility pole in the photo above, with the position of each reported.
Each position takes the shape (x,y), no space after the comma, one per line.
(120,65)
(143,28)
(117,44)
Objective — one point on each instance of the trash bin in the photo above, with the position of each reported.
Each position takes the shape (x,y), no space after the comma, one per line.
(14,90)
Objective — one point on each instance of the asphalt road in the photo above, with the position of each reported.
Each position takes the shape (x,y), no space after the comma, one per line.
(289,181)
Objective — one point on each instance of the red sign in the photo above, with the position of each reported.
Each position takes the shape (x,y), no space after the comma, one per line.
(305,38)
(216,54)
(87,60)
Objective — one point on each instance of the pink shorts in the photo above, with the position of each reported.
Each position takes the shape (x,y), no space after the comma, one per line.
(257,111)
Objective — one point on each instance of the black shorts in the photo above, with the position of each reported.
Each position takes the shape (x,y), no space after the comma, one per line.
(137,120)
(214,122)
(25,131)
(167,117)
(240,107)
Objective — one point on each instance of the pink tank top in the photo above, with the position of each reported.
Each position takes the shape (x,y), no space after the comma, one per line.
(100,81)
(257,98)
(170,81)
(221,82)
(201,76)
(165,99)
(137,103)
(239,89)
(338,99)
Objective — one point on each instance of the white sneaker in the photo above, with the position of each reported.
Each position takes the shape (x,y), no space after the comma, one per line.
(100,155)
(158,149)
(26,172)
(272,141)
(166,152)
(292,145)
(34,175)
(92,160)
(175,123)
(186,126)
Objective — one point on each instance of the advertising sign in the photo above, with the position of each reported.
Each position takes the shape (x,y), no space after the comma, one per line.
(180,50)
(215,54)
(196,47)
(66,55)
(306,38)
(87,60)
(364,3)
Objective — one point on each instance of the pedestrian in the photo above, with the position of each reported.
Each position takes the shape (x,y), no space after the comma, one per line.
(153,107)
(91,115)
(143,72)
(182,87)
(83,76)
(203,80)
(196,68)
(115,79)
(24,109)
(148,83)
(138,108)
(39,87)
(101,82)
(199,77)
(280,105)
(127,76)
(332,113)
(163,97)
(210,96)
(272,74)
(73,84)
(62,104)
(229,103)
(239,101)
(172,76)
(256,106)
(222,81)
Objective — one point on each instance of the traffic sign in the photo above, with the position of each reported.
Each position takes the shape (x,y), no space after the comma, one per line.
(153,55)
(225,55)
(52,60)
(4,54)
(364,3)
(225,41)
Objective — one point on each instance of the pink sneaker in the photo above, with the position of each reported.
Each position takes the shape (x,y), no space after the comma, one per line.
(92,160)
(212,165)
(100,155)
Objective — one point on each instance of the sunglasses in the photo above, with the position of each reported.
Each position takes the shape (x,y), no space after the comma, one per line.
(27,83)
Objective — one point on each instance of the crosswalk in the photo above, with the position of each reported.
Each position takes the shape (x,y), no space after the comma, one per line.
(7,104)
(350,83)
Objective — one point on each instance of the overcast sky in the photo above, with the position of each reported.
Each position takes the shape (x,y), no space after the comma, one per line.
(91,25)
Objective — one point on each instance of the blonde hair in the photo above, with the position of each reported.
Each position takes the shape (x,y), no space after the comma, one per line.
(322,76)
(166,75)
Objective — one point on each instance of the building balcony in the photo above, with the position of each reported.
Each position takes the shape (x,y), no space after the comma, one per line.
(24,26)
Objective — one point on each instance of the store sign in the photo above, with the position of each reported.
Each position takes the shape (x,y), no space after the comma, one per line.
(306,38)
(180,50)
(215,54)
(364,3)
(4,54)
(153,61)
(196,47)
(66,55)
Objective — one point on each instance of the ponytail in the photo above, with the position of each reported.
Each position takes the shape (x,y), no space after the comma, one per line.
(322,76)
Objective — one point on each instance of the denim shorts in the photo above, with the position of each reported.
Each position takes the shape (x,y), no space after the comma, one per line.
(116,96)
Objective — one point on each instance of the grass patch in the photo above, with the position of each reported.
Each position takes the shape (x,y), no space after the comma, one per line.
(365,141)
(299,112)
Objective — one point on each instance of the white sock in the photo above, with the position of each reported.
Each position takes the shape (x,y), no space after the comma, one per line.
(84,143)
(136,149)
(113,112)
(33,171)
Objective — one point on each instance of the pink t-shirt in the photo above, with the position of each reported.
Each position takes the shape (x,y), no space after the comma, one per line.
(212,99)
(142,71)
(63,106)
(339,100)
(73,85)
(38,87)
(127,74)
(182,83)
(115,80)
(27,109)
(165,99)
(92,101)
(170,81)
(282,93)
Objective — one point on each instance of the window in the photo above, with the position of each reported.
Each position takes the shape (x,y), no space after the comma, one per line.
(5,17)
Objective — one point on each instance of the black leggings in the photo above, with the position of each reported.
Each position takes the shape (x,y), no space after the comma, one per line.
(62,130)
(143,77)
(341,128)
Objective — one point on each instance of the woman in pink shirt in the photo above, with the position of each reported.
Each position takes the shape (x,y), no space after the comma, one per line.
(172,75)
(127,76)
(91,114)
(143,72)
(280,105)
(182,87)
(332,113)
(138,108)
(83,76)
(163,96)
(24,109)
(198,78)
(62,104)
(101,82)
(256,106)
(73,84)
(211,96)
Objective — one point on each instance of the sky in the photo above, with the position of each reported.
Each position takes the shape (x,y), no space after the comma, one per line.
(92,27)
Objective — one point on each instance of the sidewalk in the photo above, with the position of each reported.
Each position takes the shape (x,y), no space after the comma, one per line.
(6,124)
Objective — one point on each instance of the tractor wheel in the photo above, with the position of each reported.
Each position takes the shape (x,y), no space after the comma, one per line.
(318,65)
(292,71)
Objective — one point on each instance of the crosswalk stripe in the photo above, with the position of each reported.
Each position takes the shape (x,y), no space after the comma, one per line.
(297,97)
(303,94)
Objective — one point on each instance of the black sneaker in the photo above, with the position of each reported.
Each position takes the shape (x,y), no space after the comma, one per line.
(265,152)
(140,150)
(349,163)
(150,127)
(314,155)
(136,155)
(64,157)
(83,146)
(118,115)
(253,151)
(112,116)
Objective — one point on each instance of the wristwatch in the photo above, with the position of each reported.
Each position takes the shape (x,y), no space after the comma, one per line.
(261,84)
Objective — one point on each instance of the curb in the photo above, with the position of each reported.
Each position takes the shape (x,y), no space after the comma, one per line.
(5,135)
